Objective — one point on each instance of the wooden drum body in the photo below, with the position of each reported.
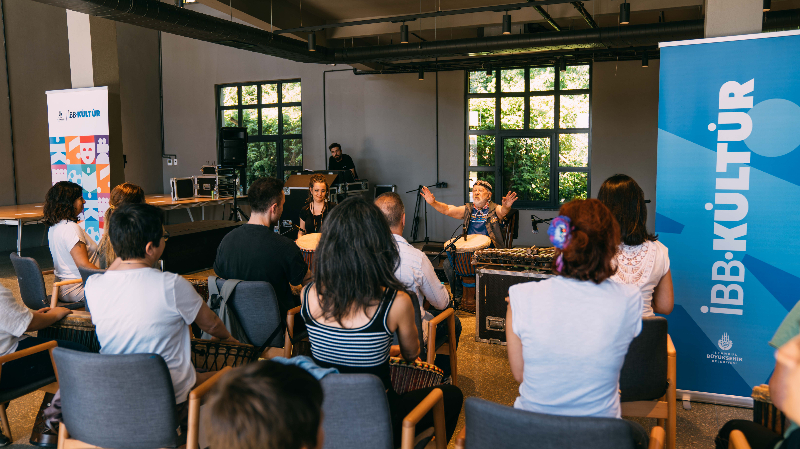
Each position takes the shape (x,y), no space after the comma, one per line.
(410,376)
(461,260)
(77,328)
(308,245)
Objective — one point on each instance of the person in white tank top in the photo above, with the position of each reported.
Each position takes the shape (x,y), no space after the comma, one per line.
(641,259)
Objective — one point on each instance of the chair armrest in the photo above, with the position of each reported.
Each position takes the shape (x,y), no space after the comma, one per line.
(435,401)
(447,314)
(657,438)
(737,440)
(46,272)
(461,439)
(26,352)
(670,347)
(195,398)
(54,296)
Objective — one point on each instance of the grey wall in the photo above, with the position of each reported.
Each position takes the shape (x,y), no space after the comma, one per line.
(625,126)
(387,123)
(38,61)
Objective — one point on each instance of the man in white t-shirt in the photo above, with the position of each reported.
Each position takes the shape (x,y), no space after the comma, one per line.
(417,274)
(138,309)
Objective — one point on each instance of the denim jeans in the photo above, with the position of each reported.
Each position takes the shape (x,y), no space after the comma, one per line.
(453,279)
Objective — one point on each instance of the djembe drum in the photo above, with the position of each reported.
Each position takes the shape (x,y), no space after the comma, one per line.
(461,261)
(308,245)
(410,376)
(77,328)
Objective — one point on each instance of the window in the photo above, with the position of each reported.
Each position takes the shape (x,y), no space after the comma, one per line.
(271,111)
(528,131)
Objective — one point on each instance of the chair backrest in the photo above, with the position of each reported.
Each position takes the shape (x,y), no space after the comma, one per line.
(417,321)
(494,425)
(87,272)
(31,282)
(256,306)
(356,412)
(120,401)
(511,227)
(644,373)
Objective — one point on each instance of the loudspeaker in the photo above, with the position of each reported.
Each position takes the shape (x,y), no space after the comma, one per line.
(232,151)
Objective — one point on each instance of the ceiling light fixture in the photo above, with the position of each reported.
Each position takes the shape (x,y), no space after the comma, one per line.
(506,24)
(421,74)
(645,61)
(767,5)
(624,13)
(312,41)
(404,34)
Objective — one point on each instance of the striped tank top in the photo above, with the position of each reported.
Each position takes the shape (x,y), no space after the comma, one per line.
(361,350)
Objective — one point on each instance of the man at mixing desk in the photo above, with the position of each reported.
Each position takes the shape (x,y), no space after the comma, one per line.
(339,161)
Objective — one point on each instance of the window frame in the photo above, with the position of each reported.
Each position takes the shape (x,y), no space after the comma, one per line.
(501,134)
(281,169)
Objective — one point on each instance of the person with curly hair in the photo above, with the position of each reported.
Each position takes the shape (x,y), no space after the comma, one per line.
(125,193)
(318,206)
(70,245)
(567,336)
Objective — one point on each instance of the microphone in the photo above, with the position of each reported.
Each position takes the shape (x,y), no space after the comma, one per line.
(451,245)
(294,226)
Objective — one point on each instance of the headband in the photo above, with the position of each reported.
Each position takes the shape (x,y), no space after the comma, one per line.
(483,184)
(560,232)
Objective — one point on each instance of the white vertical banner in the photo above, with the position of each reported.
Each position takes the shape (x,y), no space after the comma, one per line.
(79,145)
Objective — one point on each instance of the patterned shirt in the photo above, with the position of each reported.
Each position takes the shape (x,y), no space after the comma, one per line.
(477,221)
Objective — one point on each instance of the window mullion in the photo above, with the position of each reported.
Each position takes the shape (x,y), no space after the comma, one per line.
(527,108)
(498,142)
(554,144)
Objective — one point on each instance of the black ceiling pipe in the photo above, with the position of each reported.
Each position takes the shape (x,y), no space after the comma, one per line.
(630,36)
(160,16)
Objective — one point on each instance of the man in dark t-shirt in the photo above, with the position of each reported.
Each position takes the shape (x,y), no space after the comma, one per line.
(254,252)
(339,161)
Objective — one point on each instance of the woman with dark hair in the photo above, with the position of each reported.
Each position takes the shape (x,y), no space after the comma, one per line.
(125,193)
(356,304)
(641,259)
(312,215)
(568,335)
(70,245)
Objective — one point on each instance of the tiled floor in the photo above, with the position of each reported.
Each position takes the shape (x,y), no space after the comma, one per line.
(483,372)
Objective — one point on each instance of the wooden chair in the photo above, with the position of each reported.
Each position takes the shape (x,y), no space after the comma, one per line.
(31,285)
(510,227)
(737,440)
(49,385)
(648,377)
(256,306)
(500,427)
(122,401)
(449,347)
(357,414)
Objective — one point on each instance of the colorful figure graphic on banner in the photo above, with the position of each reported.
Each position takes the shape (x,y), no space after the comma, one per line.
(59,173)
(73,149)
(87,150)
(58,151)
(101,144)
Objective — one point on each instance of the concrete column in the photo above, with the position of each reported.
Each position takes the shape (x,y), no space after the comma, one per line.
(94,61)
(732,17)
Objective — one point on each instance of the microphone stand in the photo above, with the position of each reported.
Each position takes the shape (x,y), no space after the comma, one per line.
(451,245)
(417,213)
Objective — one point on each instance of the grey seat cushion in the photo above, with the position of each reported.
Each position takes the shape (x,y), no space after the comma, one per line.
(31,282)
(356,412)
(256,306)
(644,372)
(496,426)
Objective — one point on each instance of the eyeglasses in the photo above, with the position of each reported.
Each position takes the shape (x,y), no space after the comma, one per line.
(166,236)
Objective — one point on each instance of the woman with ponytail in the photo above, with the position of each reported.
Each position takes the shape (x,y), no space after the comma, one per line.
(125,193)
(568,335)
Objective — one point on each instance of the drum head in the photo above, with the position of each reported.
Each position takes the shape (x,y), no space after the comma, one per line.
(473,242)
(309,242)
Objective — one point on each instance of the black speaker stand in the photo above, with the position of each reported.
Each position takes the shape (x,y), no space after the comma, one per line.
(236,212)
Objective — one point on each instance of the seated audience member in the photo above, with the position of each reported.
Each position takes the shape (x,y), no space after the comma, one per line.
(70,246)
(255,252)
(568,335)
(15,319)
(125,193)
(783,391)
(265,405)
(138,309)
(356,304)
(641,259)
(417,275)
(314,213)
